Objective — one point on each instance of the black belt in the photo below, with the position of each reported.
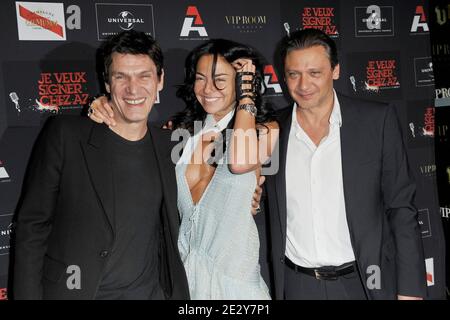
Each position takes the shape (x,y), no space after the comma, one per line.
(323,273)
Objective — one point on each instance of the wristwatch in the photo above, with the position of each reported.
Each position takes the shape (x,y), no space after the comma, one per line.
(249,107)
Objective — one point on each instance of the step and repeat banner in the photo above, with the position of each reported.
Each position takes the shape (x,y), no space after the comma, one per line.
(48,66)
(440,49)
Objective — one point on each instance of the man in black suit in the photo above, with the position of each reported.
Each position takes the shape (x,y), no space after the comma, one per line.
(98,216)
(342,220)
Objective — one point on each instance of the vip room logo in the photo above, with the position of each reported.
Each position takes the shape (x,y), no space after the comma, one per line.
(424,222)
(428,170)
(4,175)
(273,87)
(442,93)
(114,18)
(429,267)
(419,24)
(421,123)
(322,18)
(40,21)
(423,72)
(445,211)
(246,23)
(5,233)
(193,27)
(442,14)
(374,21)
(440,49)
(442,133)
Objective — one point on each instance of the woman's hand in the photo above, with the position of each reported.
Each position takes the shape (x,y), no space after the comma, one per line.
(257,196)
(101,112)
(245,80)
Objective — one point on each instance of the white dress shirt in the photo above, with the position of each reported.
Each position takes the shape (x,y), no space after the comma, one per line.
(210,125)
(317,230)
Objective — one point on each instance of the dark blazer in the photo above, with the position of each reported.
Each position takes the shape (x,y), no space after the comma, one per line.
(65,216)
(379,194)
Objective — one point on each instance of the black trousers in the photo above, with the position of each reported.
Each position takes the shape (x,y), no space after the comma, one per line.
(300,286)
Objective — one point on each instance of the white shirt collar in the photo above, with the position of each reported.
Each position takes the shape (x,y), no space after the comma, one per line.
(212,125)
(335,117)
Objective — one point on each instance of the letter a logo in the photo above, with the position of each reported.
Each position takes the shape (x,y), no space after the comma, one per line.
(193,23)
(271,79)
(419,20)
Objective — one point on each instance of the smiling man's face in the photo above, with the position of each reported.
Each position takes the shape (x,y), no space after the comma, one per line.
(309,77)
(133,85)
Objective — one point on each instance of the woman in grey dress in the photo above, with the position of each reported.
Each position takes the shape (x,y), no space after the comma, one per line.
(218,239)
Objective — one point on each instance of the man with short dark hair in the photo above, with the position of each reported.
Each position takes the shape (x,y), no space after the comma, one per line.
(343,223)
(98,216)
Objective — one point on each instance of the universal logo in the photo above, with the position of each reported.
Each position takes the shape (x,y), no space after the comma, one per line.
(5,232)
(112,18)
(374,21)
(126,20)
(423,71)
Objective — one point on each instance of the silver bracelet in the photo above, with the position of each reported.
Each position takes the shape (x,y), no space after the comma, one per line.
(249,107)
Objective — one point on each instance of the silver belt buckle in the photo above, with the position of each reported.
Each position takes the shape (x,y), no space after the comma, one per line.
(325,275)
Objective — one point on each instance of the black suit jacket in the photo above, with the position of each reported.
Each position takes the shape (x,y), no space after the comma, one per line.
(65,216)
(379,194)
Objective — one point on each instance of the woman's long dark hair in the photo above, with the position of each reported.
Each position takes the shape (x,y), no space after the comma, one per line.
(231,51)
